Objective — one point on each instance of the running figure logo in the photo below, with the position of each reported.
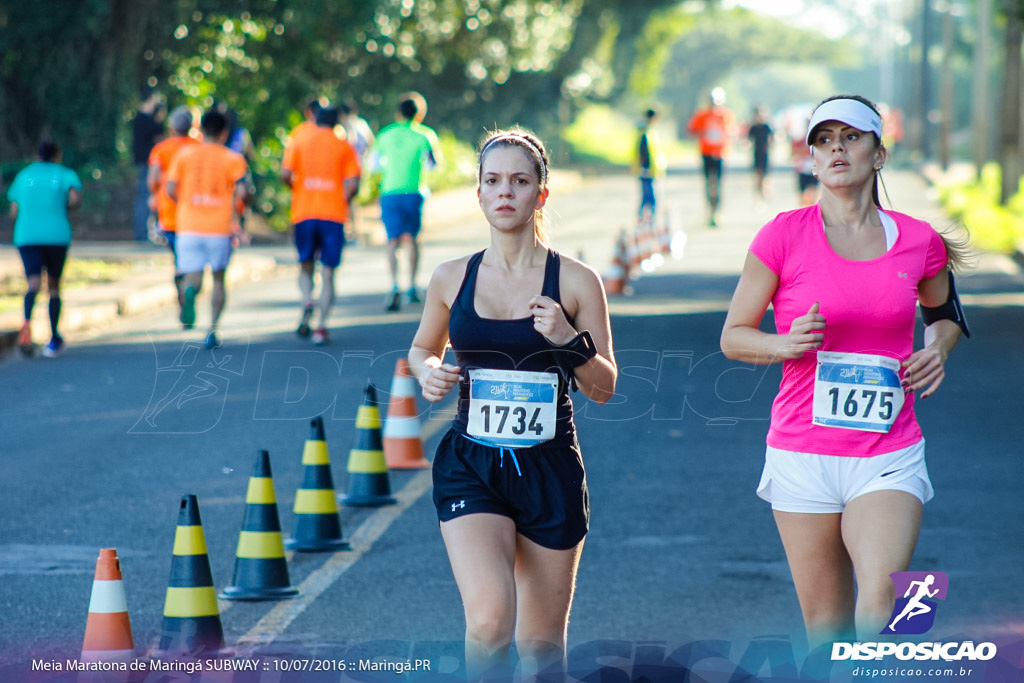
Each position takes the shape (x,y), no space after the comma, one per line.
(914,613)
(190,388)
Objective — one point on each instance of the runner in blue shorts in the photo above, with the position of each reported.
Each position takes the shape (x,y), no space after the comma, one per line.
(401,153)
(526,325)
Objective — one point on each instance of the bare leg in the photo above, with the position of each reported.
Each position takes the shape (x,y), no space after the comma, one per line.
(412,243)
(545,582)
(306,269)
(880,531)
(218,298)
(393,261)
(482,552)
(326,294)
(822,574)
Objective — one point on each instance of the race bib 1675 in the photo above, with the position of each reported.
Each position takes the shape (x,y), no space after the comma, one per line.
(857,391)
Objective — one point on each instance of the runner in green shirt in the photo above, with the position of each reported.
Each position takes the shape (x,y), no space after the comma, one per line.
(401,154)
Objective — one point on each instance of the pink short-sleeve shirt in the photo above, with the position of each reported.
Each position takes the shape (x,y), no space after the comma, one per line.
(870,307)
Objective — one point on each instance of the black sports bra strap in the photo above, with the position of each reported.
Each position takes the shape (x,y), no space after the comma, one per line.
(551,272)
(468,286)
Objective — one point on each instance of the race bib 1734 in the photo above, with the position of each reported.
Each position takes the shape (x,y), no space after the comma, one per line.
(511,408)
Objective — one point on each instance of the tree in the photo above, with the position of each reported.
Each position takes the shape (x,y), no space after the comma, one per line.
(1009,142)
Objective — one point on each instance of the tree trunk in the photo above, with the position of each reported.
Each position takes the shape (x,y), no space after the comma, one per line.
(946,91)
(1009,143)
(981,97)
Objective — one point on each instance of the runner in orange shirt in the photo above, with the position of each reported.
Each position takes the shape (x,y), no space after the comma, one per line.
(713,125)
(323,172)
(207,182)
(160,158)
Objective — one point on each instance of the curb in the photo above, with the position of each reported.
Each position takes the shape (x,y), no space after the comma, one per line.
(134,295)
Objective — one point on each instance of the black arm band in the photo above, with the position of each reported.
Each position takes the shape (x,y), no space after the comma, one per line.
(951,310)
(576,351)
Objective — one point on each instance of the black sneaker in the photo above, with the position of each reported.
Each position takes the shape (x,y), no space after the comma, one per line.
(307,314)
(394,302)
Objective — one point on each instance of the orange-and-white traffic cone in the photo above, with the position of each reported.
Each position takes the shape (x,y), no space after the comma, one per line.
(108,630)
(616,280)
(403,443)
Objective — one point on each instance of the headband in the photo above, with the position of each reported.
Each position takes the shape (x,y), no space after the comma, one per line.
(525,142)
(851,112)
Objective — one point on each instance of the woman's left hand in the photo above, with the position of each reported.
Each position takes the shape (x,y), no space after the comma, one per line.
(550,321)
(924,368)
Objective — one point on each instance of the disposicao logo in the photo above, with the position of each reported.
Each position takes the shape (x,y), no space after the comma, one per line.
(914,613)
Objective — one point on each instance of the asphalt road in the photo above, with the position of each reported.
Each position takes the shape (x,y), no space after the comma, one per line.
(682,566)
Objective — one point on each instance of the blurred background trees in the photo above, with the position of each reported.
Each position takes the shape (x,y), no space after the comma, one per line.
(577,71)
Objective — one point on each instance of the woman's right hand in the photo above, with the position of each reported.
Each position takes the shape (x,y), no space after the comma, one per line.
(437,381)
(805,334)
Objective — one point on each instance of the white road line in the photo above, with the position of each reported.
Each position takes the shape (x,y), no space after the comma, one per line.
(362,539)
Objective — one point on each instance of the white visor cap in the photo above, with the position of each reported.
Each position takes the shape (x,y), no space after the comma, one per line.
(851,112)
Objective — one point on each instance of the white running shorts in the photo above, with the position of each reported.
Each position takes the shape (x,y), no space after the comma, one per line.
(194,252)
(808,482)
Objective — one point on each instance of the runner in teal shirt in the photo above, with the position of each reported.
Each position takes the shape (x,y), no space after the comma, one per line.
(40,197)
(41,191)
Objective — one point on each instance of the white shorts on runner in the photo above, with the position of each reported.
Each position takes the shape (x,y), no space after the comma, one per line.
(809,482)
(194,252)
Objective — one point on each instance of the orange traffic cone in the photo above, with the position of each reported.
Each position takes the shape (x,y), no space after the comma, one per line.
(403,446)
(108,631)
(368,482)
(616,281)
(317,524)
(191,625)
(261,571)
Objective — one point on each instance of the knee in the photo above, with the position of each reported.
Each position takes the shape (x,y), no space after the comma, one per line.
(491,627)
(875,598)
(543,653)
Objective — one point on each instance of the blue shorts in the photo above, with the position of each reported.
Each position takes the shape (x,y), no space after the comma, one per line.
(193,252)
(36,257)
(402,214)
(543,489)
(315,236)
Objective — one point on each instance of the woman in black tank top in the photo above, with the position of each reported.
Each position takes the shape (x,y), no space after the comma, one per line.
(526,326)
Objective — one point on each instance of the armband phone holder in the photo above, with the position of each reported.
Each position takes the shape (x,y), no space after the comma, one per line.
(951,310)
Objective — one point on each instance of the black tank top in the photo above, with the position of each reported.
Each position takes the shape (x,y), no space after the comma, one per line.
(506,345)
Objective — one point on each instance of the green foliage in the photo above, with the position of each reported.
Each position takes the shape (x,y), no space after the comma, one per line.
(722,43)
(602,134)
(73,70)
(654,49)
(976,204)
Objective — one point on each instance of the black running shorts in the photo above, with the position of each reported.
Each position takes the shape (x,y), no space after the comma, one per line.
(543,489)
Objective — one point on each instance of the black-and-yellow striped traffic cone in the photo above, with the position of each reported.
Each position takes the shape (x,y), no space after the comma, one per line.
(317,523)
(191,625)
(261,571)
(368,481)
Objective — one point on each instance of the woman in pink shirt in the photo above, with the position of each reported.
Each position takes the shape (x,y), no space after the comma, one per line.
(844,468)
